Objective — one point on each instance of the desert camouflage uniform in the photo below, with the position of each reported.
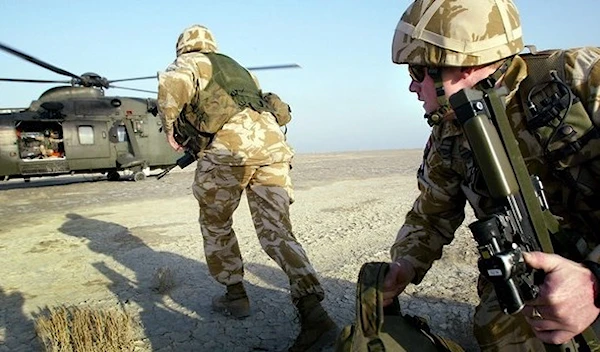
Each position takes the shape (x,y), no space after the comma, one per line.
(447,179)
(249,153)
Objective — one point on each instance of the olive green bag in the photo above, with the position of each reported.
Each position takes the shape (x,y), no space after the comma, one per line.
(280,109)
(376,331)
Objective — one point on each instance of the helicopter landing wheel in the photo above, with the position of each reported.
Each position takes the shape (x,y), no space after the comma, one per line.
(113,176)
(139,176)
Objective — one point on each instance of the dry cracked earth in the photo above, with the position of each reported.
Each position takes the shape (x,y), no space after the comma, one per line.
(85,241)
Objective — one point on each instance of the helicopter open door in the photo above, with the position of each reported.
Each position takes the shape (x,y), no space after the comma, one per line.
(124,137)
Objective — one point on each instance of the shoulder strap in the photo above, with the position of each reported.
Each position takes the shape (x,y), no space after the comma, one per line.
(370,315)
(369,298)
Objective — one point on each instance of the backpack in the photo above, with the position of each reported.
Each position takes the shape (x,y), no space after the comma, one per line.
(376,329)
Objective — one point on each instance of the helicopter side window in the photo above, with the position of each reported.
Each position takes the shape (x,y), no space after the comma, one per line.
(121,134)
(86,134)
(118,133)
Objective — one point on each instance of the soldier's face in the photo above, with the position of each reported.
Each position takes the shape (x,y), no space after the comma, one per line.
(453,80)
(425,90)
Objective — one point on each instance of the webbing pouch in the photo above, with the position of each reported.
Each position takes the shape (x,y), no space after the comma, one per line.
(379,330)
(555,115)
(280,109)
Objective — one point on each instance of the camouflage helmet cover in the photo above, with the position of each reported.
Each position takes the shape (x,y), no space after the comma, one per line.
(196,38)
(457,33)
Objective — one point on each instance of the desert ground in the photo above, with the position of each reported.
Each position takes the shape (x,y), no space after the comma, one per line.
(85,241)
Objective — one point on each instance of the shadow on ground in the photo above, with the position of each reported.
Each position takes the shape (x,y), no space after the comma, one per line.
(181,319)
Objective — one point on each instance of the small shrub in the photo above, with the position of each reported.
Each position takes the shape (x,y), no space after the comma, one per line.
(75,329)
(163,280)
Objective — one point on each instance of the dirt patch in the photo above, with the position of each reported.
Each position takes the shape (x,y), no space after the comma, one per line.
(85,241)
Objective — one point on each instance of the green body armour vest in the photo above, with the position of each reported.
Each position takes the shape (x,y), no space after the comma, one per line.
(230,90)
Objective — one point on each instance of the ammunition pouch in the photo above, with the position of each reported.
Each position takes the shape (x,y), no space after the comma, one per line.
(279,109)
(555,115)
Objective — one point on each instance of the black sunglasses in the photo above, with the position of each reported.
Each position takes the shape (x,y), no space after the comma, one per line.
(417,72)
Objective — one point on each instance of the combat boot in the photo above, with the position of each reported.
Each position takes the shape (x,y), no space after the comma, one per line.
(234,302)
(317,330)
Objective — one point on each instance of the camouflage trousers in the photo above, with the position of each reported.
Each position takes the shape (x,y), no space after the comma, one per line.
(496,331)
(218,189)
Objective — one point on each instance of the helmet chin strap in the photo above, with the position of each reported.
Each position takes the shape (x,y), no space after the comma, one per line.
(435,117)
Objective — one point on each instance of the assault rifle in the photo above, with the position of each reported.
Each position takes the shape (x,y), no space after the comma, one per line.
(189,138)
(182,162)
(522,221)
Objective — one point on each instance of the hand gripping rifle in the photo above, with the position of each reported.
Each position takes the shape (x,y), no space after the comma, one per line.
(189,138)
(523,221)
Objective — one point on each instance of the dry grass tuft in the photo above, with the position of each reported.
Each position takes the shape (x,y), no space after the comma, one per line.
(163,280)
(74,329)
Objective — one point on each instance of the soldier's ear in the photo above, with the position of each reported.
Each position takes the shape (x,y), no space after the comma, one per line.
(474,74)
(467,71)
(456,74)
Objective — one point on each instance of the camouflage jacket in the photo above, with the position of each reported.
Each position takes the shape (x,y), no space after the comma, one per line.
(448,177)
(248,138)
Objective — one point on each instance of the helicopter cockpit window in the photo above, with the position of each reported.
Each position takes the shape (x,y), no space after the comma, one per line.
(86,134)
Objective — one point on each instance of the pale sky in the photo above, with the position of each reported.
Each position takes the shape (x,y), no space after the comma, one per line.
(347,96)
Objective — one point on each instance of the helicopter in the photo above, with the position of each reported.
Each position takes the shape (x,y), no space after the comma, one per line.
(75,128)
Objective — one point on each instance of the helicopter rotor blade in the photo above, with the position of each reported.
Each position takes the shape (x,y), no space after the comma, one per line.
(273,67)
(134,89)
(131,79)
(24,80)
(38,62)
(255,68)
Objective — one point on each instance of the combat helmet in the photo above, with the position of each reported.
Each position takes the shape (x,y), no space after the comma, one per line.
(196,38)
(438,33)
